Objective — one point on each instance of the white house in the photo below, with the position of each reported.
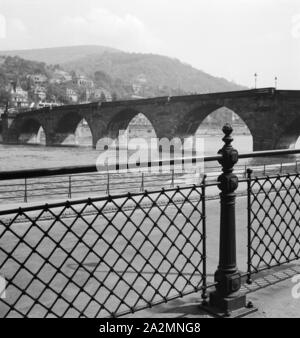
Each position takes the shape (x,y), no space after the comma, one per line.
(19,97)
(72,95)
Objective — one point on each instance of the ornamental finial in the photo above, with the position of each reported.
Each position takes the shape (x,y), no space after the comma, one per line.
(227,129)
(227,139)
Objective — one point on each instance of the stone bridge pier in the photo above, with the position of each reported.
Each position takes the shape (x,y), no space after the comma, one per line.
(272,116)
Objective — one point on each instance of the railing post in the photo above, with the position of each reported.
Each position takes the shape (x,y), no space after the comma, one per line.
(172,179)
(108,184)
(249,178)
(25,190)
(204,289)
(142,184)
(226,300)
(70,187)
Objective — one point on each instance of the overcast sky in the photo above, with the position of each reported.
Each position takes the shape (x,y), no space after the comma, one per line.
(227,38)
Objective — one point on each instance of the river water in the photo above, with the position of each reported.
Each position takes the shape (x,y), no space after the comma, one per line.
(16,157)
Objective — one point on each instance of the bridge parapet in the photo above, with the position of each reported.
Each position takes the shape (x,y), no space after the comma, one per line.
(169,99)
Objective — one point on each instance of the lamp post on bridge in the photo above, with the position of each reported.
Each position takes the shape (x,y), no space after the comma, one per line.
(255,80)
(226,300)
(276,78)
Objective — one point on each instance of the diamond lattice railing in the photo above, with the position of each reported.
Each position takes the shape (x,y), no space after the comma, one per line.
(112,256)
(274,217)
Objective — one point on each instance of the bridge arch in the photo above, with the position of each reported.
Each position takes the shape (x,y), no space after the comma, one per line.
(73,129)
(31,131)
(207,122)
(128,129)
(290,136)
(123,119)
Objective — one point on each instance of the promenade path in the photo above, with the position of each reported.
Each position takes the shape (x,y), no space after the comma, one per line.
(273,301)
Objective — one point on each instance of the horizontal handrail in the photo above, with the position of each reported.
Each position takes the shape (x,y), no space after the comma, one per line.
(115,183)
(265,153)
(90,200)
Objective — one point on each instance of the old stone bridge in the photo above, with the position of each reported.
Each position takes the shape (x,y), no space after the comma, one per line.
(272,116)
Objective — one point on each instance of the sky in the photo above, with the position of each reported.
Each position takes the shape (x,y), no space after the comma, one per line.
(233,39)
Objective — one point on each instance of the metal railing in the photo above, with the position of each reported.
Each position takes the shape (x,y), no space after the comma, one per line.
(114,255)
(33,188)
(273,221)
(103,265)
(90,184)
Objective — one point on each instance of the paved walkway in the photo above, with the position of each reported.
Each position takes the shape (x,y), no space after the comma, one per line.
(276,301)
(271,294)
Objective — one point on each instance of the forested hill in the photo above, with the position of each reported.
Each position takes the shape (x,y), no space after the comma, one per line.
(58,55)
(156,70)
(155,74)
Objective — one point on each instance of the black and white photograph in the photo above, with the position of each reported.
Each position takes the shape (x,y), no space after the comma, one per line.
(149,162)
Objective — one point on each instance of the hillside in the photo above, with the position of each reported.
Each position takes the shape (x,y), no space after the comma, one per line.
(58,55)
(23,82)
(153,70)
(15,71)
(151,75)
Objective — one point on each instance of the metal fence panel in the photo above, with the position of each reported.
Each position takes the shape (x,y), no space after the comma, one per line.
(114,256)
(273,221)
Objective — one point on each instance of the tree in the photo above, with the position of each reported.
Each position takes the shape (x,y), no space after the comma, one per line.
(114,96)
(73,74)
(82,94)
(4,96)
(102,97)
(58,91)
(102,79)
